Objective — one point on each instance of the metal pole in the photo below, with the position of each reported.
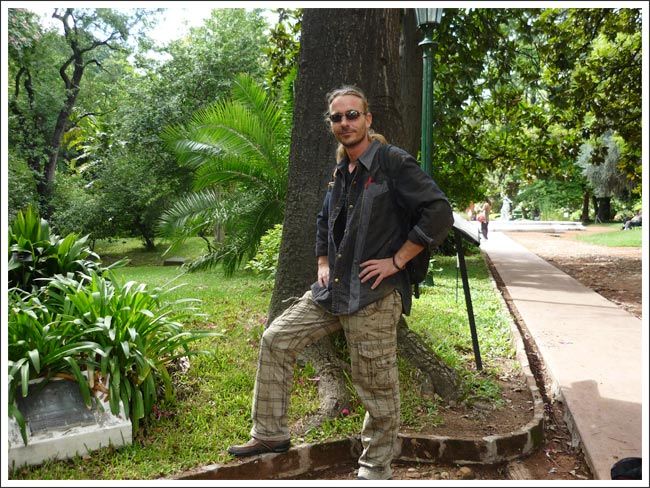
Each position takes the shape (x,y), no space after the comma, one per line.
(426,140)
(468,298)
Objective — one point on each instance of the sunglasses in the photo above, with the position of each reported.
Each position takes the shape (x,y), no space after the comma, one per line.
(350,115)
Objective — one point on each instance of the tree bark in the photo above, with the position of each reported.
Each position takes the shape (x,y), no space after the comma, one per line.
(604,209)
(584,217)
(376,50)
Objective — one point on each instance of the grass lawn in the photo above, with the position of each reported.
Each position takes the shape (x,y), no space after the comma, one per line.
(615,237)
(213,399)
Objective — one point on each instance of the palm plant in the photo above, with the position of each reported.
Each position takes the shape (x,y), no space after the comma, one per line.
(238,150)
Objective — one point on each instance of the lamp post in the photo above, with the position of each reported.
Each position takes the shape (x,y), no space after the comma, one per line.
(427,18)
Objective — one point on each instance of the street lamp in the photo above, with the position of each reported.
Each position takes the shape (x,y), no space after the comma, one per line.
(427,18)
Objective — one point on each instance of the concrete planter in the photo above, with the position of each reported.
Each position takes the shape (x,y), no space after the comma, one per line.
(60,426)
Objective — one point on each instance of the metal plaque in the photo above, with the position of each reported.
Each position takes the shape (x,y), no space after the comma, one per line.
(56,406)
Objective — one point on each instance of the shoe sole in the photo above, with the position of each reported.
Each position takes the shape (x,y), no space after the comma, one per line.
(260,450)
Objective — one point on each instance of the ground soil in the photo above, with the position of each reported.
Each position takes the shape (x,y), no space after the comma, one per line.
(615,273)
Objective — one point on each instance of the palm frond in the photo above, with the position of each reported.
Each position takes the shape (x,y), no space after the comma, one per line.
(239,150)
(253,96)
(190,214)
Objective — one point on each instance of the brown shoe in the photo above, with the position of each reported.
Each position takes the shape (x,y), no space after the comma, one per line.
(258,446)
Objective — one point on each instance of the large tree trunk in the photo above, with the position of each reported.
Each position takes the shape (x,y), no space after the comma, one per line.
(375,49)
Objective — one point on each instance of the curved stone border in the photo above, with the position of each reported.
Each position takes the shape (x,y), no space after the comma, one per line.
(306,458)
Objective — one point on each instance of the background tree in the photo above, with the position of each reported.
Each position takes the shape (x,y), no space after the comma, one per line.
(605,177)
(283,46)
(114,175)
(592,60)
(196,71)
(517,91)
(87,34)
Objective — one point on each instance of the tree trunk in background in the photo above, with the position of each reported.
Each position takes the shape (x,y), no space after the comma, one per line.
(376,50)
(604,209)
(584,217)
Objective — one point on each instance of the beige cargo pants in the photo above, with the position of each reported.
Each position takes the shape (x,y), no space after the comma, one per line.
(371,335)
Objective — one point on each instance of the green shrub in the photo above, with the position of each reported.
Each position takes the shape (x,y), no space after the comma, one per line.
(77,209)
(265,262)
(70,316)
(35,253)
(134,331)
(21,184)
(42,344)
(553,199)
(115,338)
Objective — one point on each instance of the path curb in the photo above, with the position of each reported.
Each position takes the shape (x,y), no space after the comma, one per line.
(306,458)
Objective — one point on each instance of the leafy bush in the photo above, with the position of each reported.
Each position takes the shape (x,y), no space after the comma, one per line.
(77,208)
(21,184)
(114,338)
(42,345)
(265,262)
(70,317)
(550,198)
(35,253)
(134,331)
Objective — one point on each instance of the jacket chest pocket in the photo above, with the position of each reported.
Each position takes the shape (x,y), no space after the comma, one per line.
(376,198)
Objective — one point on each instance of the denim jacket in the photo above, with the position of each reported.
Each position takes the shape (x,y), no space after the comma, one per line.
(374,227)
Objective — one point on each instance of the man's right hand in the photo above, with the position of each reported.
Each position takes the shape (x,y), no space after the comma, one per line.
(323,271)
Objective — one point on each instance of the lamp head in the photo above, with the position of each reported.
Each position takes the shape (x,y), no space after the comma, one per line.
(428,16)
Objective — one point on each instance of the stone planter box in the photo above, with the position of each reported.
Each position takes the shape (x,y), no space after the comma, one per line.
(60,426)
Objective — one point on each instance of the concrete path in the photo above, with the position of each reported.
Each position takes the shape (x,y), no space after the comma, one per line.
(592,350)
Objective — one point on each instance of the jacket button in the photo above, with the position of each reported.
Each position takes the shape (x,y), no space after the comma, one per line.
(338,256)
(336,280)
(351,206)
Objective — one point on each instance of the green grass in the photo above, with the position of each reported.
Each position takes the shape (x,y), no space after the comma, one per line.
(113,249)
(212,407)
(615,238)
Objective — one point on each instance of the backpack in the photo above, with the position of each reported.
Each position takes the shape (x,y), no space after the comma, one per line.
(418,267)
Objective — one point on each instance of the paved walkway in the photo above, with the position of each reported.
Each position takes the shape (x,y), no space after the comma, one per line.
(592,350)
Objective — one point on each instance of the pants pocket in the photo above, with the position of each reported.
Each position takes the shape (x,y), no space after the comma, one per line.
(377,364)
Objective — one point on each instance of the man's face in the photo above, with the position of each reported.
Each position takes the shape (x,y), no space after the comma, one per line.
(349,132)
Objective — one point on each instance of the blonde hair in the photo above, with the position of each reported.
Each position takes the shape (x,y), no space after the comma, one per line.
(355,92)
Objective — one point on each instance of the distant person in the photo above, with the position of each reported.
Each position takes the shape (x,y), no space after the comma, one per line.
(635,221)
(505,208)
(484,217)
(471,211)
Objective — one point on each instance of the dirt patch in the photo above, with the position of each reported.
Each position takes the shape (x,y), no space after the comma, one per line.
(613,272)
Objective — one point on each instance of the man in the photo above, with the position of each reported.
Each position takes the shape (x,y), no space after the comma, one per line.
(362,249)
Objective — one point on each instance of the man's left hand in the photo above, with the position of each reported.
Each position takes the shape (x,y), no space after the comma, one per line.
(381,268)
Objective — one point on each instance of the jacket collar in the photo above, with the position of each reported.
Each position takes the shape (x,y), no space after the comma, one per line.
(365,159)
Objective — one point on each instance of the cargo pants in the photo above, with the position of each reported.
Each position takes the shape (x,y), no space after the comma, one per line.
(371,335)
